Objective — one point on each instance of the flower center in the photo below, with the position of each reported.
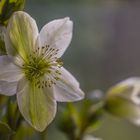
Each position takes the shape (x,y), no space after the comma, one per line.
(43,67)
(35,68)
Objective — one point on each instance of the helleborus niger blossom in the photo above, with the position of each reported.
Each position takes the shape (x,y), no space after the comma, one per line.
(33,70)
(123,100)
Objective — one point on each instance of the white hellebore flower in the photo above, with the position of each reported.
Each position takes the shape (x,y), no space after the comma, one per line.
(33,71)
(123,100)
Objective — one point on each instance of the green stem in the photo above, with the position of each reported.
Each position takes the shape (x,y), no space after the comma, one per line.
(43,135)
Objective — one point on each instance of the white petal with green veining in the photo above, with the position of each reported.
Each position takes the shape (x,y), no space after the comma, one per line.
(36,104)
(21,34)
(67,88)
(57,34)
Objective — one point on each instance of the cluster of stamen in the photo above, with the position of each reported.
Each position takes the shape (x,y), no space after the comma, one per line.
(43,67)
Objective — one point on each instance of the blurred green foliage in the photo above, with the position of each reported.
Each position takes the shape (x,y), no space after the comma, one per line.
(76,122)
(7,7)
(5,131)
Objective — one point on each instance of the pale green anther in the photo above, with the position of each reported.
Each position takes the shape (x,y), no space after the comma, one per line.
(60,62)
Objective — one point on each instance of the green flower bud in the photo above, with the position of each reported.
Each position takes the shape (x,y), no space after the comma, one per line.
(123,100)
(7,7)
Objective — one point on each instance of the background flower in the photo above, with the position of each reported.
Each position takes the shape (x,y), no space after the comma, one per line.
(123,100)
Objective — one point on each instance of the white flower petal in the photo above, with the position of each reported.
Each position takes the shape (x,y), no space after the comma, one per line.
(136,121)
(8,71)
(8,88)
(67,88)
(129,82)
(10,74)
(57,34)
(21,34)
(37,105)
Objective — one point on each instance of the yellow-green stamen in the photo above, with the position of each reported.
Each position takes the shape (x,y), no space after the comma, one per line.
(43,64)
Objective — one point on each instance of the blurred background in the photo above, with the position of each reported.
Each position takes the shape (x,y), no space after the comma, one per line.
(105,49)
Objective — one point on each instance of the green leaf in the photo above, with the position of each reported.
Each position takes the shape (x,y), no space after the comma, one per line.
(91,115)
(2,44)
(5,131)
(3,107)
(24,132)
(80,120)
(71,118)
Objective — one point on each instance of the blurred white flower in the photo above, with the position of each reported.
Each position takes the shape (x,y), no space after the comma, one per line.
(96,94)
(90,137)
(33,70)
(123,100)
